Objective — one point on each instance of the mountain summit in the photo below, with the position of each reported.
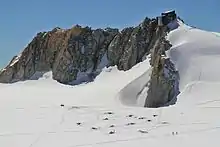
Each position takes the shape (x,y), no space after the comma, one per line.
(79,54)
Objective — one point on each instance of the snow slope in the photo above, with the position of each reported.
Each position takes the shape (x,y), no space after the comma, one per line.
(93,116)
(135,93)
(195,54)
(217,34)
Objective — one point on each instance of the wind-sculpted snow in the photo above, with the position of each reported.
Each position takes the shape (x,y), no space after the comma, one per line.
(195,54)
(135,93)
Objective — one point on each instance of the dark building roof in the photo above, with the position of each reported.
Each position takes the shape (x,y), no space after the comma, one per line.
(168,12)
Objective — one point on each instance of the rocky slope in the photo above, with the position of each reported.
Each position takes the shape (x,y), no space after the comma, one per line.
(79,54)
(76,51)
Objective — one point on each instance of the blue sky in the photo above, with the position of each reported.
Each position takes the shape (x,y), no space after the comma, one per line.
(21,19)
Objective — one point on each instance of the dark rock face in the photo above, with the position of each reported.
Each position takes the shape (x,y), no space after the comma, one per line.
(39,55)
(164,81)
(130,46)
(81,51)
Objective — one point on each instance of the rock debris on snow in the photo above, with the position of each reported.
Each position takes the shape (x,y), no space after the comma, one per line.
(95,128)
(78,124)
(174,133)
(130,115)
(105,118)
(143,131)
(130,124)
(111,126)
(112,132)
(109,113)
(142,118)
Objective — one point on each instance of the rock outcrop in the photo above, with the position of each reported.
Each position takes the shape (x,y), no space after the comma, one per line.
(164,81)
(78,54)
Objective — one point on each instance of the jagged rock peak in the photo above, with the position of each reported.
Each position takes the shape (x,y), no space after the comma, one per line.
(79,53)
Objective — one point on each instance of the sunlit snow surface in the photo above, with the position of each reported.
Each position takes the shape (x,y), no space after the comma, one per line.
(105,113)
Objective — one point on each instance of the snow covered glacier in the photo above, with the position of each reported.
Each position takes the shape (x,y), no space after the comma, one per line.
(99,114)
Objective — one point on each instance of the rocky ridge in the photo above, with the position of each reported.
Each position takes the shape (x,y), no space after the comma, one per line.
(78,54)
(80,50)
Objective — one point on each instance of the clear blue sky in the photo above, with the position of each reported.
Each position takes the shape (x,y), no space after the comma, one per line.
(20,20)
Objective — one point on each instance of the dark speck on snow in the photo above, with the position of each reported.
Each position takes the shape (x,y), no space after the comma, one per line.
(105,118)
